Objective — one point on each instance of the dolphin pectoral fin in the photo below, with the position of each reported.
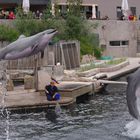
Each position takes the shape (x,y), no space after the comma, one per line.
(34,47)
(42,54)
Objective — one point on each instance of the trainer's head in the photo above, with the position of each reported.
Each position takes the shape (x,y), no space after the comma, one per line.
(52,83)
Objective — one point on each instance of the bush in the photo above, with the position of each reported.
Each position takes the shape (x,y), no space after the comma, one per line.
(97,52)
(74,27)
(7,33)
(29,27)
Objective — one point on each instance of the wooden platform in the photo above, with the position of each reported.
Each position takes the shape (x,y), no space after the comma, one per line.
(29,99)
(21,99)
(75,89)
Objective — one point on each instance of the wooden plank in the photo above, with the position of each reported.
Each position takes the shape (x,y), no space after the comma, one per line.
(112,82)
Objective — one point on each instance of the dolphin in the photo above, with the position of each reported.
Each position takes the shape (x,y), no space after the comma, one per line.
(133,94)
(27,46)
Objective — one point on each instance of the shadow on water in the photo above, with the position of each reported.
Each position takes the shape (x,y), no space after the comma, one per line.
(51,115)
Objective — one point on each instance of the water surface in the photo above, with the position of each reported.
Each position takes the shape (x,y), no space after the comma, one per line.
(101,117)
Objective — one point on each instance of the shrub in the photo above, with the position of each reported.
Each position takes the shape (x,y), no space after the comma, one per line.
(7,33)
(29,27)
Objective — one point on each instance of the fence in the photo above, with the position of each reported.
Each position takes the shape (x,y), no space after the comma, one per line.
(65,53)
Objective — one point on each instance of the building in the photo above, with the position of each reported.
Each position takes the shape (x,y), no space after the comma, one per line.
(116,37)
(93,9)
(104,8)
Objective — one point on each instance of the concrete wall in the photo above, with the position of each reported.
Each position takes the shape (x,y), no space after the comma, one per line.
(115,30)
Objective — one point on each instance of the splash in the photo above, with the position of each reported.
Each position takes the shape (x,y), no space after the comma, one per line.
(3,83)
(133,129)
(3,92)
(58,109)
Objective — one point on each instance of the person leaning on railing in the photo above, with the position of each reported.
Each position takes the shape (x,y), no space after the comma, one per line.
(11,15)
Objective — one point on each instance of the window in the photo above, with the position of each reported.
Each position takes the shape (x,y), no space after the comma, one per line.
(125,42)
(119,12)
(114,43)
(119,43)
(133,10)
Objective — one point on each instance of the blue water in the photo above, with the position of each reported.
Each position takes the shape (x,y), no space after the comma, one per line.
(100,117)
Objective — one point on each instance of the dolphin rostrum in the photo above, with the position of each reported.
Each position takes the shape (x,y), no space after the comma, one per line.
(133,94)
(27,46)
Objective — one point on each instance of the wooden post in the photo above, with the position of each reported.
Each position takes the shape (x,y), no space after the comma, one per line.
(36,73)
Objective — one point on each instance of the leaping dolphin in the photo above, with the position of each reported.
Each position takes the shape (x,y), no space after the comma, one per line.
(27,46)
(133,94)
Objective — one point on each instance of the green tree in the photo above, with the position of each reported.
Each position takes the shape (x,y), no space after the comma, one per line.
(74,22)
(47,14)
(76,28)
(74,7)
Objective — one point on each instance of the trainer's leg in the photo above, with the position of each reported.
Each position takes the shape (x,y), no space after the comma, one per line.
(57,96)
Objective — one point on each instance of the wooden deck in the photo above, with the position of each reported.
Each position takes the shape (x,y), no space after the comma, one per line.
(21,99)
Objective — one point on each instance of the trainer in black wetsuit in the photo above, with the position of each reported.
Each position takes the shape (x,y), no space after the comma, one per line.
(50,91)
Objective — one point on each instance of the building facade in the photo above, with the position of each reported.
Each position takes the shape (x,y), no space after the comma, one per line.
(118,38)
(93,9)
(101,9)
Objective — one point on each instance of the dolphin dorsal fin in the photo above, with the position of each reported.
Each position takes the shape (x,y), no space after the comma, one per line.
(21,36)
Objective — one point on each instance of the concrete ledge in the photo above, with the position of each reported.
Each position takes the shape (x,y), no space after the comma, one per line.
(115,67)
(88,73)
(98,70)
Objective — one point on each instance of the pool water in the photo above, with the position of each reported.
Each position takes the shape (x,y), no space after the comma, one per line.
(98,117)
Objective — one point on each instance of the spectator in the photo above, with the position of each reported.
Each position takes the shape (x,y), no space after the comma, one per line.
(122,17)
(11,15)
(40,15)
(3,14)
(131,17)
(105,18)
(6,14)
(135,18)
(37,14)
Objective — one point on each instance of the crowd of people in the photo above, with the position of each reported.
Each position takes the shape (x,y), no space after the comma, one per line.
(130,17)
(5,14)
